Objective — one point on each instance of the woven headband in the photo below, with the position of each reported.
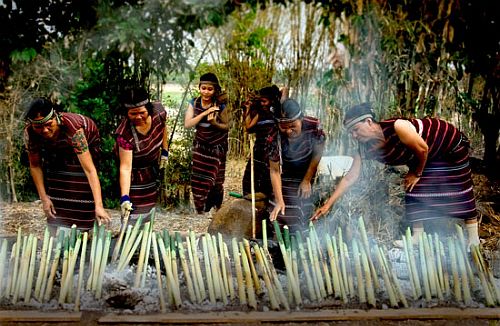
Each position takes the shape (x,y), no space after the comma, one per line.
(295,117)
(136,105)
(351,123)
(42,121)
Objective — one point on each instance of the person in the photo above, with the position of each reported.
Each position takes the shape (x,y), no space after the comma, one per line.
(62,151)
(259,119)
(142,143)
(294,155)
(438,183)
(211,119)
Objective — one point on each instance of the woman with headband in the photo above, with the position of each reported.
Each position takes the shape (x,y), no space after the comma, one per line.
(62,150)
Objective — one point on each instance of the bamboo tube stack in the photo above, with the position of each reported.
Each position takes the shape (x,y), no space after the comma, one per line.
(201,269)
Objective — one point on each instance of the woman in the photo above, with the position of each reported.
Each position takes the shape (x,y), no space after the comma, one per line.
(62,149)
(142,140)
(294,155)
(210,145)
(438,183)
(259,119)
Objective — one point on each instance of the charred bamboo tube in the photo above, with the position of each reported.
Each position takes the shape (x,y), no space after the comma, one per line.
(239,273)
(359,275)
(208,271)
(196,287)
(81,271)
(3,258)
(255,277)
(248,277)
(394,278)
(123,228)
(423,263)
(156,256)
(185,268)
(227,262)
(199,276)
(267,279)
(142,254)
(454,270)
(305,268)
(463,274)
(366,245)
(370,291)
(102,266)
(41,269)
(53,270)
(490,302)
(333,267)
(385,276)
(173,285)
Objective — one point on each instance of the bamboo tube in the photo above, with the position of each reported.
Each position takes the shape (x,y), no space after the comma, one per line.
(193,270)
(124,262)
(322,260)
(68,281)
(15,273)
(343,291)
(148,247)
(123,227)
(435,268)
(102,266)
(176,295)
(227,263)
(439,263)
(413,263)
(252,184)
(239,273)
(461,237)
(255,277)
(199,277)
(305,268)
(423,265)
(65,261)
(53,270)
(81,270)
(315,270)
(276,281)
(370,292)
(46,269)
(411,271)
(264,235)
(208,271)
(490,302)
(185,268)
(454,270)
(3,258)
(41,269)
(463,274)
(92,261)
(431,276)
(129,244)
(173,259)
(10,275)
(219,262)
(96,259)
(252,302)
(163,308)
(25,257)
(446,276)
(394,278)
(489,274)
(267,280)
(142,254)
(350,280)
(214,268)
(333,267)
(343,261)
(220,246)
(359,275)
(385,276)
(31,271)
(366,245)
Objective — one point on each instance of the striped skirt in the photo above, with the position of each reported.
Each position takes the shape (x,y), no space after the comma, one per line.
(143,192)
(444,191)
(262,178)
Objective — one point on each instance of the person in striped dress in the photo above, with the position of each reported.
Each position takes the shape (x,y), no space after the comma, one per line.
(211,119)
(294,155)
(63,149)
(142,144)
(259,119)
(438,183)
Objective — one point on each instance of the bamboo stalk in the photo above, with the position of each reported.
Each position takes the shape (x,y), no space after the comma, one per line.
(31,271)
(385,276)
(214,268)
(53,270)
(170,276)
(68,282)
(185,269)
(92,260)
(25,257)
(142,254)
(148,247)
(343,290)
(370,292)
(221,267)
(163,308)
(208,271)
(102,266)
(220,246)
(359,275)
(454,270)
(439,263)
(365,243)
(490,302)
(463,274)
(305,268)
(252,302)
(431,276)
(322,260)
(423,262)
(267,280)
(129,244)
(81,270)
(43,258)
(239,273)
(227,263)
(193,270)
(394,278)
(333,267)
(276,281)
(197,266)
(255,277)
(128,255)
(446,276)
(343,261)
(3,258)
(123,227)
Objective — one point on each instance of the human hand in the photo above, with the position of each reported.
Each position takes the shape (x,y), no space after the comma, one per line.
(211,112)
(102,215)
(48,208)
(163,159)
(410,180)
(323,210)
(125,205)
(304,190)
(279,208)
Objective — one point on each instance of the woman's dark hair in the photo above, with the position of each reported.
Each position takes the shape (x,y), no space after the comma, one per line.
(272,93)
(39,107)
(136,97)
(358,113)
(210,78)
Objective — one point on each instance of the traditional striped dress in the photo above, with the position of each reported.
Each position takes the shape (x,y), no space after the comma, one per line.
(265,127)
(296,158)
(146,153)
(209,162)
(445,188)
(65,181)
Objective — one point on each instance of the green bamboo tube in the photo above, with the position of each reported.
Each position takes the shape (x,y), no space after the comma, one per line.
(252,302)
(490,302)
(411,271)
(81,271)
(142,254)
(43,258)
(129,243)
(454,270)
(385,276)
(267,280)
(46,269)
(68,282)
(197,265)
(148,247)
(322,261)
(429,262)
(227,263)
(305,268)
(394,278)
(264,235)
(357,269)
(93,245)
(208,271)
(218,253)
(439,263)
(314,270)
(173,258)
(366,245)
(156,256)
(53,270)
(176,295)
(97,258)
(317,266)
(333,267)
(343,262)
(295,264)
(255,277)
(216,273)
(343,290)
(3,258)
(123,228)
(423,266)
(185,268)
(286,236)
(193,271)
(370,292)
(128,255)
(446,276)
(239,273)
(413,263)
(463,273)
(25,257)
(435,268)
(102,269)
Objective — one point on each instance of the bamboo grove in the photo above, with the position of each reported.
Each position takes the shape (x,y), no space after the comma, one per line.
(206,269)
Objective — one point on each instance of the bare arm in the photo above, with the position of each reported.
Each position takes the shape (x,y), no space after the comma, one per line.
(350,178)
(190,120)
(274,170)
(165,144)
(305,186)
(125,157)
(221,119)
(411,139)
